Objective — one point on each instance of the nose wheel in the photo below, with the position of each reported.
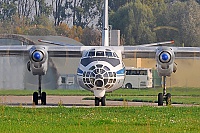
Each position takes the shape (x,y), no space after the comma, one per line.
(102,100)
(163,96)
(39,95)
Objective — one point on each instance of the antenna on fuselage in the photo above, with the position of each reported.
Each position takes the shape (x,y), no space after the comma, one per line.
(105,30)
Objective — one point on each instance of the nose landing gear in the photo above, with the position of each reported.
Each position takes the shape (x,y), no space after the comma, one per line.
(102,100)
(39,95)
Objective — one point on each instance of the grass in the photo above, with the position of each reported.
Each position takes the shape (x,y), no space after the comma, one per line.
(100,120)
(143,119)
(59,92)
(120,92)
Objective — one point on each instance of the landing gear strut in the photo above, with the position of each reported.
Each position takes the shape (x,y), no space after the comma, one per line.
(102,100)
(39,95)
(164,96)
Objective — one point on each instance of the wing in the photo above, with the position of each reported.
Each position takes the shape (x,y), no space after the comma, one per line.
(141,51)
(150,52)
(53,51)
(14,50)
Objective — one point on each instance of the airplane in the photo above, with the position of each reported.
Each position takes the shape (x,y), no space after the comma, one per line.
(101,68)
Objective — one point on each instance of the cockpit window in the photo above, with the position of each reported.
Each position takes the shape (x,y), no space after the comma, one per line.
(115,55)
(100,53)
(91,53)
(109,54)
(86,53)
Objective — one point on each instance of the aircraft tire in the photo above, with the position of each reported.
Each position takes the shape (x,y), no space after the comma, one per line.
(168,99)
(43,98)
(160,99)
(97,100)
(103,101)
(35,98)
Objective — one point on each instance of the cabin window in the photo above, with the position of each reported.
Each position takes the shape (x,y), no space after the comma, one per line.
(100,53)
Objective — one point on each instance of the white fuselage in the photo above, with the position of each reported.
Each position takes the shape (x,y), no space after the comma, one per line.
(101,69)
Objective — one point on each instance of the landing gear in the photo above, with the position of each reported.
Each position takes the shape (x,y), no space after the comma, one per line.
(39,95)
(163,96)
(102,100)
(35,98)
(168,99)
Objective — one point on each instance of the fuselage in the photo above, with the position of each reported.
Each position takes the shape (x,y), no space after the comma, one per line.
(101,69)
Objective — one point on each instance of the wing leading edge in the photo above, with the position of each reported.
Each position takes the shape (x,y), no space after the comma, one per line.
(139,51)
(149,52)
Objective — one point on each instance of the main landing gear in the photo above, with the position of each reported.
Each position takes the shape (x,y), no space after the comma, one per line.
(39,95)
(102,100)
(164,96)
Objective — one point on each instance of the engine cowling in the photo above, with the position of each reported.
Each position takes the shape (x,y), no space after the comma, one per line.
(165,61)
(38,56)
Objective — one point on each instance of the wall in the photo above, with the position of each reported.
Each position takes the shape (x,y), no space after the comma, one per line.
(187,75)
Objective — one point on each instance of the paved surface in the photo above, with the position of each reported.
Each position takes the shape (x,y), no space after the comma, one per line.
(68,101)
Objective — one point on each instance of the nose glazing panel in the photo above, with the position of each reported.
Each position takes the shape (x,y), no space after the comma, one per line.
(99,76)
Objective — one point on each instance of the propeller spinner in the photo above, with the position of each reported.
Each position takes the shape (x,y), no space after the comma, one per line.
(37,56)
(165,57)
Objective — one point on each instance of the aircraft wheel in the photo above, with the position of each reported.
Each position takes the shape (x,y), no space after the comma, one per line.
(43,98)
(160,99)
(97,100)
(168,99)
(103,101)
(35,98)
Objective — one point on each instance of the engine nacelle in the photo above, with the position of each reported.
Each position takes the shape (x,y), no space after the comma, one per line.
(38,63)
(165,61)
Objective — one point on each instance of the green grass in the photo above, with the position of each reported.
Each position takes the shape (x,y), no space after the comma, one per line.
(100,120)
(176,91)
(59,92)
(120,92)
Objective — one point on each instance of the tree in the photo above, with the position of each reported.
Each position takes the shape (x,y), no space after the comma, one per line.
(91,37)
(59,11)
(7,9)
(24,8)
(42,8)
(190,24)
(85,11)
(165,25)
(62,29)
(116,4)
(40,26)
(136,21)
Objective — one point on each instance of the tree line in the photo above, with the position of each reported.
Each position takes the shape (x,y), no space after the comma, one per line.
(140,21)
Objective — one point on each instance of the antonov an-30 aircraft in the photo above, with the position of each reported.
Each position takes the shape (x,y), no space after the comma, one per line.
(101,68)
